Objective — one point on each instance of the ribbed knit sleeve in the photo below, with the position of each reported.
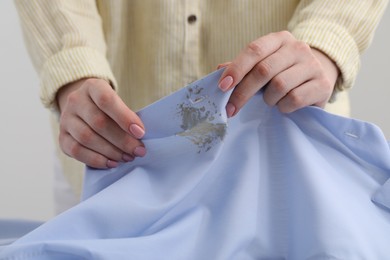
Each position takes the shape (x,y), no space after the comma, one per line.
(341,29)
(155,47)
(65,41)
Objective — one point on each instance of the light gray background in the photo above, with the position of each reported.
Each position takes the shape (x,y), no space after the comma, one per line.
(26,143)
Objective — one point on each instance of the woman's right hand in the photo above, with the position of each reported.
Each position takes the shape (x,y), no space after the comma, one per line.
(96,126)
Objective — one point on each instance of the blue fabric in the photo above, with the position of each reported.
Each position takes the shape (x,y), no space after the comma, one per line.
(11,229)
(262,185)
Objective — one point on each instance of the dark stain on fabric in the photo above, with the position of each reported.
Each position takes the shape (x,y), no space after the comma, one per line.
(198,114)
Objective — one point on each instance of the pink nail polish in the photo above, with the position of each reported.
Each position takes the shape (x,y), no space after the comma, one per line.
(137,131)
(140,151)
(226,83)
(230,109)
(112,164)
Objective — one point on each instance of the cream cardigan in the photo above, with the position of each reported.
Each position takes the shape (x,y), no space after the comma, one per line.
(149,48)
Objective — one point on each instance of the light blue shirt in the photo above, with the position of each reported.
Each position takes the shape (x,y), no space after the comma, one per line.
(261,185)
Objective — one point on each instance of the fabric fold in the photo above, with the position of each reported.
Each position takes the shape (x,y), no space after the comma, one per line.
(260,185)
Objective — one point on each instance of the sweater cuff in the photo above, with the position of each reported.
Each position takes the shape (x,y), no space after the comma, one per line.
(71,65)
(334,41)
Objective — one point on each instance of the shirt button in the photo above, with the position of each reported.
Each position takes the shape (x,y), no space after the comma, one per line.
(191,19)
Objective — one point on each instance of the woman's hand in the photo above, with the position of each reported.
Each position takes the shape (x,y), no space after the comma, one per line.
(294,74)
(96,127)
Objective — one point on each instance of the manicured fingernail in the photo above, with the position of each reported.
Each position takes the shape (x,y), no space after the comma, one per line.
(137,131)
(226,83)
(127,157)
(140,151)
(230,109)
(112,164)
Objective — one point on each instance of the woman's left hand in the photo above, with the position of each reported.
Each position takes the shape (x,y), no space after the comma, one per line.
(294,74)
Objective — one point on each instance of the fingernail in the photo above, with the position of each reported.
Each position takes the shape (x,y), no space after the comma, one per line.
(127,157)
(137,131)
(112,164)
(140,151)
(226,83)
(230,109)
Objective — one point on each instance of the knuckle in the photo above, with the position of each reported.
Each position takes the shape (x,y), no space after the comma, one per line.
(73,98)
(91,82)
(295,100)
(267,100)
(323,80)
(284,34)
(263,69)
(97,161)
(74,150)
(279,85)
(256,48)
(86,136)
(105,99)
(235,70)
(302,47)
(99,121)
(326,84)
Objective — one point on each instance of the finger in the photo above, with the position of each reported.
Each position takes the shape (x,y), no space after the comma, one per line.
(105,127)
(255,52)
(101,123)
(91,158)
(309,93)
(285,81)
(259,76)
(112,105)
(88,138)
